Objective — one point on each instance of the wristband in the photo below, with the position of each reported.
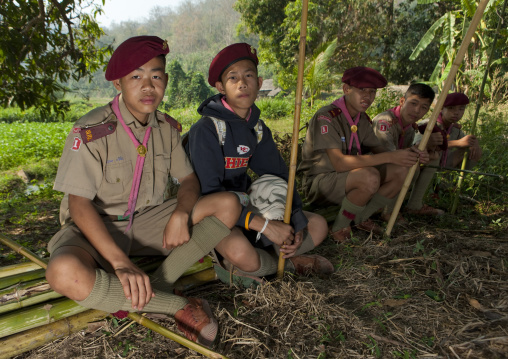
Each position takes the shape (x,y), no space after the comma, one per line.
(247,220)
(262,229)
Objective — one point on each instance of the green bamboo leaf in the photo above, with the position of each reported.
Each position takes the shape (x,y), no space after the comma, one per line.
(427,38)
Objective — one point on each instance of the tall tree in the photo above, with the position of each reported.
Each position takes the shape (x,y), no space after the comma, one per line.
(44,43)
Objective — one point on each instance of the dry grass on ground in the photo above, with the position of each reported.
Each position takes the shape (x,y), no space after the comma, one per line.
(429,292)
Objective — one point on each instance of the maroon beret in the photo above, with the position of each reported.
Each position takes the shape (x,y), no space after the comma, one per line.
(364,77)
(133,53)
(227,57)
(456,99)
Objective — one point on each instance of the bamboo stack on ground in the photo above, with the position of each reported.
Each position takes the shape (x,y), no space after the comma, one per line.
(49,319)
(439,105)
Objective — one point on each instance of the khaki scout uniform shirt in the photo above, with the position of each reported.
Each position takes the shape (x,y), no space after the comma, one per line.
(102,169)
(388,130)
(329,128)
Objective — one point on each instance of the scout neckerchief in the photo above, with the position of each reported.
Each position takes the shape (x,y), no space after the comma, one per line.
(396,112)
(140,161)
(444,157)
(226,105)
(341,103)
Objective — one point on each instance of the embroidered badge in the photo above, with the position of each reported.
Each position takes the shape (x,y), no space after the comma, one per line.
(242,149)
(335,112)
(77,144)
(76,130)
(324,129)
(323,117)
(236,162)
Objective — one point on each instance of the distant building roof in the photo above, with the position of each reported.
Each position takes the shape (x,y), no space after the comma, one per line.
(268,89)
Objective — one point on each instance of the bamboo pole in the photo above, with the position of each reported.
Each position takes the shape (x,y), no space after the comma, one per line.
(62,308)
(478,106)
(37,337)
(26,294)
(38,315)
(21,277)
(296,126)
(18,268)
(173,336)
(440,101)
(23,251)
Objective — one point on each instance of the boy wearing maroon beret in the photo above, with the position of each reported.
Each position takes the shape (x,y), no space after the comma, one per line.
(343,161)
(396,128)
(449,143)
(114,169)
(230,138)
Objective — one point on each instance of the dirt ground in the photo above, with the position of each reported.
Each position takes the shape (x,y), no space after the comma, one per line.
(430,291)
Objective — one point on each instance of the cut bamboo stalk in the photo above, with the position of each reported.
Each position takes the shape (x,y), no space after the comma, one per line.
(440,101)
(296,126)
(18,268)
(37,337)
(175,337)
(35,316)
(21,277)
(477,111)
(23,251)
(26,294)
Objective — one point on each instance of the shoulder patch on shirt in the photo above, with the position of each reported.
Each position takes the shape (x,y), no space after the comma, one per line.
(173,122)
(324,129)
(76,144)
(323,117)
(384,126)
(335,112)
(89,134)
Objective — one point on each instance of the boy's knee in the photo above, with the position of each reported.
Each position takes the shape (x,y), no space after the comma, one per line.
(369,180)
(67,272)
(318,228)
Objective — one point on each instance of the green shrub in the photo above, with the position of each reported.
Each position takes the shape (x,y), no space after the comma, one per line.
(22,143)
(275,108)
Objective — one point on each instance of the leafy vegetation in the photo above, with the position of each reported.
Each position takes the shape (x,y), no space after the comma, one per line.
(44,44)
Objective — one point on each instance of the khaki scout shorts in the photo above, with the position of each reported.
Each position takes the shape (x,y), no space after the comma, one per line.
(328,189)
(143,239)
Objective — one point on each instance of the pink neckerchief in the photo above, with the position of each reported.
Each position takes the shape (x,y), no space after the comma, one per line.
(444,157)
(341,103)
(226,105)
(396,112)
(140,161)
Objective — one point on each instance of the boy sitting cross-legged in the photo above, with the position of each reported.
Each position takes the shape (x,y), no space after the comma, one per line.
(114,170)
(231,138)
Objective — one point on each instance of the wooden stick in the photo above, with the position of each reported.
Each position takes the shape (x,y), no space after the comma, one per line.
(477,112)
(74,309)
(37,337)
(440,101)
(296,126)
(23,251)
(173,336)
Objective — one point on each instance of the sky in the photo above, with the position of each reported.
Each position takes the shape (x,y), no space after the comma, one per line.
(122,10)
